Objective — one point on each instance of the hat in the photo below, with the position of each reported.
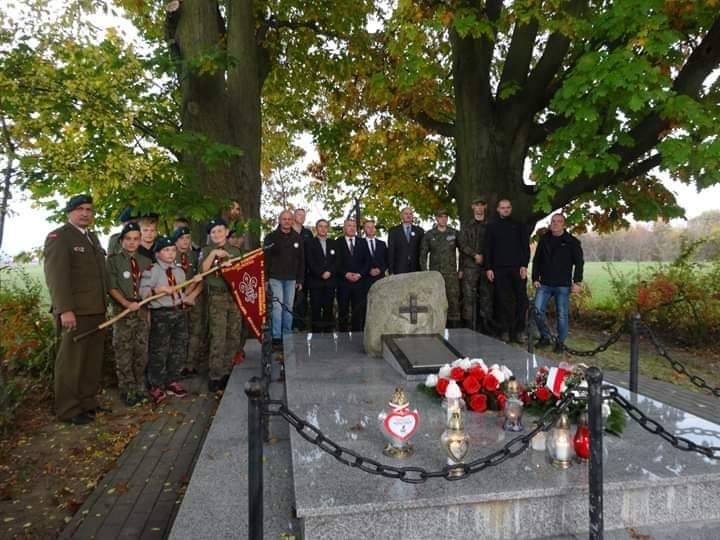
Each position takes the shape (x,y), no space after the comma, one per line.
(214,222)
(126,214)
(76,201)
(162,242)
(479,199)
(128,228)
(179,232)
(441,212)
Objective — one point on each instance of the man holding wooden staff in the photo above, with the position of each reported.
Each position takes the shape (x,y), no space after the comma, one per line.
(76,278)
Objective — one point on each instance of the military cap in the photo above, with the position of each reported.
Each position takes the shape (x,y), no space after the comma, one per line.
(214,222)
(128,228)
(162,242)
(180,232)
(441,212)
(126,215)
(76,201)
(479,199)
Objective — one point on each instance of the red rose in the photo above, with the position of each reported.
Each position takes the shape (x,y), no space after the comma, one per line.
(478,403)
(471,385)
(457,374)
(542,393)
(491,383)
(441,386)
(477,372)
(525,397)
(501,399)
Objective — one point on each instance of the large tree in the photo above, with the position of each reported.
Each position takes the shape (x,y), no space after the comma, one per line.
(564,103)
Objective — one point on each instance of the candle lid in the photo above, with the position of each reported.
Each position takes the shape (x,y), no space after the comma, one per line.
(563,421)
(399,399)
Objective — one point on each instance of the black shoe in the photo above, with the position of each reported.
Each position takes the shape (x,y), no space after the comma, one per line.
(559,347)
(80,419)
(214,385)
(542,343)
(224,381)
(92,412)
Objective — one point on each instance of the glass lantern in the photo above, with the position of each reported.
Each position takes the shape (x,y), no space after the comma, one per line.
(560,443)
(513,409)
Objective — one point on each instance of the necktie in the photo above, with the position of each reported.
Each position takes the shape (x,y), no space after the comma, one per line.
(171,281)
(184,262)
(372,246)
(324,248)
(407,233)
(135,268)
(352,246)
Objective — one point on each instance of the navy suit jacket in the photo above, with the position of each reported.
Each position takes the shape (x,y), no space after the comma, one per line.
(319,263)
(378,259)
(404,256)
(358,262)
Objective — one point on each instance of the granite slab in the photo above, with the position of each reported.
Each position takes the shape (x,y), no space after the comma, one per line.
(331,383)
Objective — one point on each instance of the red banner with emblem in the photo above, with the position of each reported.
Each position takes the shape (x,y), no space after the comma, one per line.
(246,279)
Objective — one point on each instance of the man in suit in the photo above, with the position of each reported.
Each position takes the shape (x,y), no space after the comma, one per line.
(378,254)
(77,280)
(301,296)
(353,266)
(404,245)
(322,279)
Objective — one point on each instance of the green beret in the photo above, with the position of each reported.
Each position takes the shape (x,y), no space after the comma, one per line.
(126,215)
(179,232)
(441,212)
(76,201)
(162,242)
(214,222)
(128,228)
(479,199)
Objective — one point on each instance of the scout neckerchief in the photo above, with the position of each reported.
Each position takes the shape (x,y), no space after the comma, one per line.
(136,274)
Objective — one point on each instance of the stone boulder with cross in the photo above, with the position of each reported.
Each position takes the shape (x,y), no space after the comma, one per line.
(413,303)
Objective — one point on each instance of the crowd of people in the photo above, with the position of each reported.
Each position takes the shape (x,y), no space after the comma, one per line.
(317,283)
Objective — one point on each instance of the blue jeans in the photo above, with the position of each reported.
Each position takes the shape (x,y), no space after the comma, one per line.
(283,290)
(562,303)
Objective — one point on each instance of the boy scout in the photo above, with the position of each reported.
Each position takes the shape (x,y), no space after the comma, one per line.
(148,234)
(224,320)
(125,217)
(187,259)
(440,244)
(130,334)
(76,278)
(168,328)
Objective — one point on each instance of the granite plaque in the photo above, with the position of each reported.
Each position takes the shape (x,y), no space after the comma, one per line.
(416,355)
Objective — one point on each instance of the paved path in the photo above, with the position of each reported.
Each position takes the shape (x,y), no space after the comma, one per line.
(140,496)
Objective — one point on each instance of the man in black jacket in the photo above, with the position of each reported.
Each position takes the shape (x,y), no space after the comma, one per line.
(321,255)
(353,266)
(507,253)
(378,254)
(285,269)
(557,253)
(404,245)
(301,296)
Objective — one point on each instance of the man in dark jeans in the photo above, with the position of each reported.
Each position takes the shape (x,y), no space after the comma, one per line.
(507,253)
(557,253)
(353,265)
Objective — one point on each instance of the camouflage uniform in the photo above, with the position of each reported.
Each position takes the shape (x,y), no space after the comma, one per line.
(130,334)
(442,248)
(168,330)
(194,314)
(477,290)
(224,320)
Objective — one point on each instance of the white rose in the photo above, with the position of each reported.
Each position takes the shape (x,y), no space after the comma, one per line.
(462,363)
(444,372)
(605,410)
(431,380)
(478,362)
(498,374)
(453,391)
(506,371)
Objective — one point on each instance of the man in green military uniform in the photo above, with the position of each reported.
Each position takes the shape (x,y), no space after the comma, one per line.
(440,244)
(130,334)
(76,278)
(477,290)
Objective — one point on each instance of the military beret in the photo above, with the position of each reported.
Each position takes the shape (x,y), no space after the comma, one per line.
(179,232)
(128,228)
(479,199)
(126,215)
(214,222)
(441,212)
(76,201)
(162,242)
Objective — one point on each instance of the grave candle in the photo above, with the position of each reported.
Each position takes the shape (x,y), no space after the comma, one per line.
(559,443)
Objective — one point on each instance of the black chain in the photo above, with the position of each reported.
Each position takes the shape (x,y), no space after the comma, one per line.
(410,474)
(697,380)
(654,427)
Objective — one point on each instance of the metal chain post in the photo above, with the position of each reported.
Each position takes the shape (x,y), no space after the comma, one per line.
(634,352)
(595,467)
(254,390)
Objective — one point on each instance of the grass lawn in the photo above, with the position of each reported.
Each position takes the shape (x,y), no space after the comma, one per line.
(597,276)
(17,274)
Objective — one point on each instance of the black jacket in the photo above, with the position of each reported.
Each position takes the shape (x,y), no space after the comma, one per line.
(404,256)
(358,262)
(285,260)
(318,263)
(507,244)
(555,258)
(378,259)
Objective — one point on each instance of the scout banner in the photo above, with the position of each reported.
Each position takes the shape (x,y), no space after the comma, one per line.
(246,279)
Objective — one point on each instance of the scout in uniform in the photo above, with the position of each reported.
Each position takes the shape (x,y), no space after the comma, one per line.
(130,334)
(168,327)
(76,278)
(224,319)
(125,217)
(440,244)
(187,259)
(148,234)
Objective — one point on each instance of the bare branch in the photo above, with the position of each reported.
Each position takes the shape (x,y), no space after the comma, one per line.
(519,56)
(446,129)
